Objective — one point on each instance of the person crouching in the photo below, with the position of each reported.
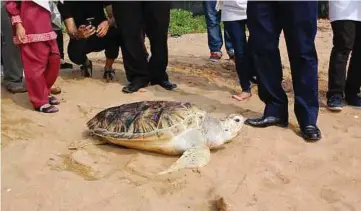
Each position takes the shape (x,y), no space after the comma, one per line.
(33,31)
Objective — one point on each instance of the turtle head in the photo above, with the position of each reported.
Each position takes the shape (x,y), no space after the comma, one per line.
(231,126)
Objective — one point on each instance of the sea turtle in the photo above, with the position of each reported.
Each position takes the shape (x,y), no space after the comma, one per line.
(166,127)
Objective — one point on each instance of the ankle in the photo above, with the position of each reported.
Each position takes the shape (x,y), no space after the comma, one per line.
(108,68)
(87,62)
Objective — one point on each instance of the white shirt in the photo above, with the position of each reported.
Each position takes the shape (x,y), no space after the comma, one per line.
(345,10)
(233,10)
(45,4)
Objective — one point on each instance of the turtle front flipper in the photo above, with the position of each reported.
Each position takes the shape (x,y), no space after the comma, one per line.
(191,158)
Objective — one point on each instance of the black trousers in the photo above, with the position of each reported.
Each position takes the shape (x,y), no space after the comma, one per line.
(346,38)
(153,17)
(78,49)
(60,42)
(298,20)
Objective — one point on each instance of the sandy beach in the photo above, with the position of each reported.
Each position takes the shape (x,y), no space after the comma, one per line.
(270,169)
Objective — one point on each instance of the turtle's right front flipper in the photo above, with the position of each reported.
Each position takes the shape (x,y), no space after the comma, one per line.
(191,158)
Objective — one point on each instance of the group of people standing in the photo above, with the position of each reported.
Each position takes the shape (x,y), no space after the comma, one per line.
(257,59)
(125,26)
(91,30)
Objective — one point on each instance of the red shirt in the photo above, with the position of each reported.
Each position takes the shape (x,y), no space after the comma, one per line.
(35,19)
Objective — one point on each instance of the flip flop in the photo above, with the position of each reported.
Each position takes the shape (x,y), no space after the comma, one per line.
(53,100)
(47,108)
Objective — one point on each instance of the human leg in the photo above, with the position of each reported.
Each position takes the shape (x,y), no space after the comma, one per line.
(156,17)
(228,43)
(129,18)
(60,43)
(236,30)
(10,54)
(264,26)
(214,33)
(353,82)
(111,46)
(35,65)
(52,69)
(344,32)
(300,27)
(77,52)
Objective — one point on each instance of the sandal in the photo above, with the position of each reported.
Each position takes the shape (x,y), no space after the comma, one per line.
(47,108)
(53,100)
(109,75)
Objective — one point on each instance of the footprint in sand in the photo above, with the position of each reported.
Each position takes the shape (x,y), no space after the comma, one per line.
(336,199)
(87,165)
(330,195)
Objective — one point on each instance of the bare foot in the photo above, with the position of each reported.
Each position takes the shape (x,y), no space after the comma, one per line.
(242,96)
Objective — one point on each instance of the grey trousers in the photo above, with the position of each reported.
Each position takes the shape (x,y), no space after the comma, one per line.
(10,53)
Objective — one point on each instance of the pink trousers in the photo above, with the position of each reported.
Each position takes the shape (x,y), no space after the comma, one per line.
(41,61)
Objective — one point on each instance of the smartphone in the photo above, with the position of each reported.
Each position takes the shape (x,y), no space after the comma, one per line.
(90,24)
(90,21)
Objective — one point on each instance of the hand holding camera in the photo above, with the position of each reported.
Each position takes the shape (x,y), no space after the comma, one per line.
(85,31)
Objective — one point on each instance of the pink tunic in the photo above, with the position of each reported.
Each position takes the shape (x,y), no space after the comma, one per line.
(35,19)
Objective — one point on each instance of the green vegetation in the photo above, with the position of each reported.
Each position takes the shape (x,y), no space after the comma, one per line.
(63,27)
(184,22)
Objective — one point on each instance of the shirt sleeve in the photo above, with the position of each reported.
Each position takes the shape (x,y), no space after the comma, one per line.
(65,10)
(13,9)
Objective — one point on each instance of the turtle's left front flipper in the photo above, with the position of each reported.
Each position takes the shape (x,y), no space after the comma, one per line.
(192,158)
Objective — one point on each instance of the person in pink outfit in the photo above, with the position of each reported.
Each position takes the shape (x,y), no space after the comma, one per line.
(33,31)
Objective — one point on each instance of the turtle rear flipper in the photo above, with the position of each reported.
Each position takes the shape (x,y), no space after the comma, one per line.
(191,158)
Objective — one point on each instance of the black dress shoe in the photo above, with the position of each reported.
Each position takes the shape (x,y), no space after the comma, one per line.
(311,133)
(267,121)
(165,84)
(133,87)
(66,65)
